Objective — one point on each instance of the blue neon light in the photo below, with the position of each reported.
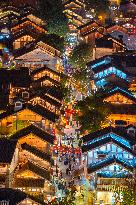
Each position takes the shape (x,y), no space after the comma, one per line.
(121,140)
(98,64)
(108,174)
(113,136)
(106,160)
(117,88)
(101,83)
(105,61)
(111,70)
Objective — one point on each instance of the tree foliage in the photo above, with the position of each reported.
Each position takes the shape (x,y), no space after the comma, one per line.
(58,25)
(122,2)
(54,40)
(101,6)
(93,112)
(80,55)
(69,199)
(52,13)
(81,79)
(127,196)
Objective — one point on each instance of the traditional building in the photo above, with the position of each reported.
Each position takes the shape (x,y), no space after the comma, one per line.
(122,105)
(10,15)
(26,165)
(38,54)
(128,9)
(107,39)
(8,160)
(106,71)
(32,173)
(110,157)
(27,30)
(92,30)
(10,196)
(75,11)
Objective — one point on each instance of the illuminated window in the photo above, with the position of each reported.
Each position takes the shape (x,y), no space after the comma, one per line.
(119,150)
(90,154)
(101,83)
(4,202)
(108,147)
(125,155)
(130,156)
(113,148)
(119,155)
(34,190)
(103,148)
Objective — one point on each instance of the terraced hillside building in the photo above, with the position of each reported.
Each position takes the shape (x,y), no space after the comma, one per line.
(29,120)
(75,11)
(110,159)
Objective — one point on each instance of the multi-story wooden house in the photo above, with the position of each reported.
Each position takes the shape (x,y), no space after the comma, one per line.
(110,158)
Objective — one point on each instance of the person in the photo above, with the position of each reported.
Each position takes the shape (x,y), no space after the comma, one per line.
(67,171)
(60,159)
(57,172)
(60,174)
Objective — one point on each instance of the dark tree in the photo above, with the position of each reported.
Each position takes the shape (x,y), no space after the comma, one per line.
(81,55)
(52,13)
(100,6)
(124,2)
(54,40)
(93,112)
(127,196)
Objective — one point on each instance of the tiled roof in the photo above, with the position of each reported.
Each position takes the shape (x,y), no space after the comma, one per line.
(53,91)
(29,182)
(108,161)
(40,171)
(56,92)
(87,24)
(16,196)
(107,130)
(36,131)
(124,92)
(46,78)
(51,100)
(37,152)
(45,97)
(45,113)
(24,32)
(106,140)
(27,48)
(25,19)
(12,195)
(70,1)
(112,175)
(123,109)
(38,70)
(7,149)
